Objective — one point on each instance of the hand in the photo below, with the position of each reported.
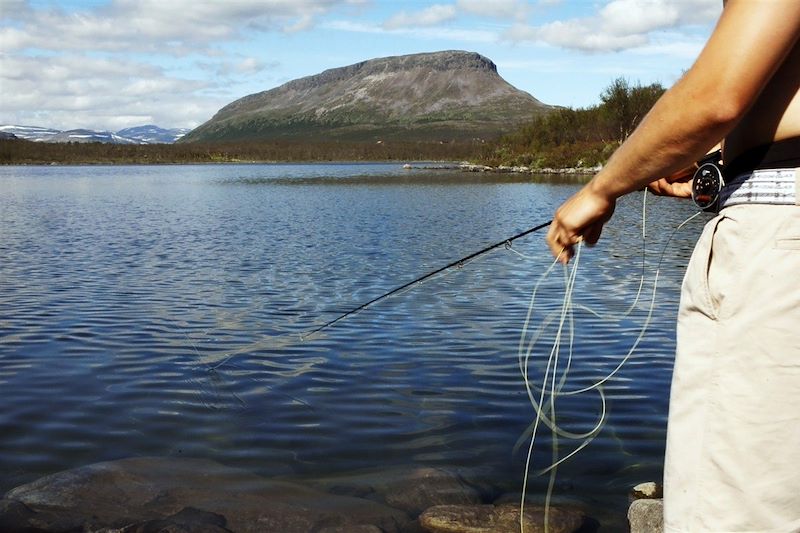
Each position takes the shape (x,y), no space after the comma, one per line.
(677,185)
(580,218)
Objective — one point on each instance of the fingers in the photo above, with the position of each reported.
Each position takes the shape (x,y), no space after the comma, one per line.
(592,234)
(676,189)
(561,242)
(580,218)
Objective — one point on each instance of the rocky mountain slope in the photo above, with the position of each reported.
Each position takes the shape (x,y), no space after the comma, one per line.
(434,96)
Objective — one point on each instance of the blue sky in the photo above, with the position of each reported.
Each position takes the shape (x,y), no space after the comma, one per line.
(110,64)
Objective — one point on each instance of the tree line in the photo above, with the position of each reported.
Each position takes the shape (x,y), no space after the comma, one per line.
(21,152)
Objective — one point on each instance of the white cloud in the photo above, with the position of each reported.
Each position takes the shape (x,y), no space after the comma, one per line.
(439,13)
(236,66)
(619,24)
(430,16)
(432,33)
(510,9)
(77,68)
(176,26)
(77,91)
(636,17)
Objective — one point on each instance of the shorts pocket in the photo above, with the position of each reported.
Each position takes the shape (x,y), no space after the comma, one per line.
(698,290)
(792,243)
(788,235)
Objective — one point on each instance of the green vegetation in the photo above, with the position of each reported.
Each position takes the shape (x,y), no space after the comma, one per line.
(20,152)
(570,137)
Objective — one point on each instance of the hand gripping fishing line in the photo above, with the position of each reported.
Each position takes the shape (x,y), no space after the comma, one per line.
(553,384)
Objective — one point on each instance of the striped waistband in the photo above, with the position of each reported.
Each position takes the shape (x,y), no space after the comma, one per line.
(762,186)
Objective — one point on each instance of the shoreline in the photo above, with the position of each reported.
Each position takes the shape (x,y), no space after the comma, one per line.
(465,166)
(141,492)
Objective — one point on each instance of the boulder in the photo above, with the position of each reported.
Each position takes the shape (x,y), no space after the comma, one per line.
(146,493)
(411,489)
(646,516)
(188,520)
(498,519)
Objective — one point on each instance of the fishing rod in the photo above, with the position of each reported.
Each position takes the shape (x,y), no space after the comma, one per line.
(457,262)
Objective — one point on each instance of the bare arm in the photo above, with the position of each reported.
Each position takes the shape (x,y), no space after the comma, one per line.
(678,184)
(748,45)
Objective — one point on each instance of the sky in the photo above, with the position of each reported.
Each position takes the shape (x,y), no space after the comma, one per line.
(112,64)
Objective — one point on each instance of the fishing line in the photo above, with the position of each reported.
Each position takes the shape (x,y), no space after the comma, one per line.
(406,286)
(551,385)
(457,263)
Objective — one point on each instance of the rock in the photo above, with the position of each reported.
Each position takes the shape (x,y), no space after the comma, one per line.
(188,520)
(351,529)
(646,516)
(139,492)
(498,519)
(647,491)
(17,517)
(410,489)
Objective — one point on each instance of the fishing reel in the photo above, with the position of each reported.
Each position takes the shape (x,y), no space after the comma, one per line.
(708,181)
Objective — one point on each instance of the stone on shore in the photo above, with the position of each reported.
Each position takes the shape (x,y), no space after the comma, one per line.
(646,516)
(646,512)
(411,489)
(198,495)
(498,519)
(647,491)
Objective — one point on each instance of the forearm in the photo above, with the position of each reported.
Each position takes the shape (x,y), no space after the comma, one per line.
(671,138)
(749,43)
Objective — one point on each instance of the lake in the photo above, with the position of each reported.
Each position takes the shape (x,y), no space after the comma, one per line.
(160,311)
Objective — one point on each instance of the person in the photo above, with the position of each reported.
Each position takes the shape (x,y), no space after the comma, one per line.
(733,435)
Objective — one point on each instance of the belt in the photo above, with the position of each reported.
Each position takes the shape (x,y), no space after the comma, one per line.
(765,174)
(762,186)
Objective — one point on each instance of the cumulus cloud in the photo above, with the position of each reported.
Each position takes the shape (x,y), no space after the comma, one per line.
(73,90)
(416,32)
(177,26)
(430,16)
(509,9)
(441,13)
(619,24)
(236,66)
(94,65)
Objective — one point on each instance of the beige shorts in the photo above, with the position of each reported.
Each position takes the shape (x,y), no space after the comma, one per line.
(733,438)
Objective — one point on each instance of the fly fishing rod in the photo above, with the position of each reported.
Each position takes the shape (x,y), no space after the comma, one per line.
(457,262)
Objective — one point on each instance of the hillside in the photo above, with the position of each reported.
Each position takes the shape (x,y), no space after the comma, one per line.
(443,96)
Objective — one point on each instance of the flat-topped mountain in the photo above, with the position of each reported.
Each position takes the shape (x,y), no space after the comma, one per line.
(433,96)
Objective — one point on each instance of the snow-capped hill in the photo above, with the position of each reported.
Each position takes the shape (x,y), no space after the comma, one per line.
(89,136)
(29,133)
(151,134)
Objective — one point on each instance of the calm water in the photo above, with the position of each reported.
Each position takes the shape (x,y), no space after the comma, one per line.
(158,311)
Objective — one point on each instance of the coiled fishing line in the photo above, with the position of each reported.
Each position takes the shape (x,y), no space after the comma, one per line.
(543,398)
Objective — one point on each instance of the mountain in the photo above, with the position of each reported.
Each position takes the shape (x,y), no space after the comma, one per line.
(434,96)
(88,136)
(149,134)
(29,133)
